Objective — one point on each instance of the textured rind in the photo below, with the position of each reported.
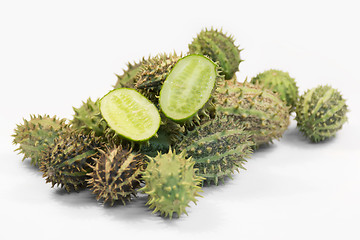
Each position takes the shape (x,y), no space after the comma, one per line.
(264,115)
(116,174)
(129,77)
(87,118)
(219,147)
(67,160)
(220,48)
(171,183)
(34,136)
(321,112)
(153,73)
(279,82)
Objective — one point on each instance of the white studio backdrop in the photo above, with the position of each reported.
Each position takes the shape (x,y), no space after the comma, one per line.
(56,54)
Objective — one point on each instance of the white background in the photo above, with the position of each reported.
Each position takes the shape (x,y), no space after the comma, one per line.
(55,54)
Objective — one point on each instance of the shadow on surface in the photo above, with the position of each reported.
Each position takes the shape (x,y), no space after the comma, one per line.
(34,170)
(294,137)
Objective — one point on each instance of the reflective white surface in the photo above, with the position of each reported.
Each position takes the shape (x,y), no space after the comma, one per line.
(55,55)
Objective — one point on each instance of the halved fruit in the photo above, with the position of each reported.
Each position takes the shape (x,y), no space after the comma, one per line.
(188,87)
(130,114)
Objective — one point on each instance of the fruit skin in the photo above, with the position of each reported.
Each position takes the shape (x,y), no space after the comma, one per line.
(116,174)
(129,77)
(67,160)
(264,115)
(220,48)
(171,183)
(88,118)
(35,135)
(219,147)
(153,73)
(321,112)
(279,82)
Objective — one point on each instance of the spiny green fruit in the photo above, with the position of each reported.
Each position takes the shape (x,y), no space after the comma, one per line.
(116,174)
(129,78)
(37,134)
(88,118)
(264,115)
(218,147)
(67,160)
(281,83)
(188,88)
(153,73)
(130,114)
(220,48)
(321,112)
(171,183)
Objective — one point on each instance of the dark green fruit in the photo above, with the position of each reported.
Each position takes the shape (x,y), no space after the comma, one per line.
(220,48)
(130,114)
(279,82)
(219,147)
(67,161)
(116,174)
(88,118)
(264,115)
(188,87)
(321,112)
(37,134)
(171,183)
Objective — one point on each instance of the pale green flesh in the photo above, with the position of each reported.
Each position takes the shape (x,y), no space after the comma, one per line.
(130,114)
(188,87)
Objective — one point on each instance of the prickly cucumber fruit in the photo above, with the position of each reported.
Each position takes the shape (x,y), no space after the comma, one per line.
(264,115)
(67,160)
(129,77)
(321,112)
(88,118)
(171,183)
(34,136)
(130,114)
(116,174)
(279,82)
(220,48)
(188,87)
(219,147)
(153,73)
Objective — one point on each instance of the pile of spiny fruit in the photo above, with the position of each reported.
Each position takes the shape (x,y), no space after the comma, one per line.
(173,123)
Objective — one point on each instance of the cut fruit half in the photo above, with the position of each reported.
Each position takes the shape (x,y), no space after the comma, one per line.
(188,87)
(130,114)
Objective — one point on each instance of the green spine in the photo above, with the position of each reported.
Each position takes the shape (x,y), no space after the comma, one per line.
(279,82)
(220,48)
(153,73)
(321,112)
(218,147)
(116,174)
(264,115)
(87,118)
(34,136)
(128,78)
(171,183)
(68,160)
